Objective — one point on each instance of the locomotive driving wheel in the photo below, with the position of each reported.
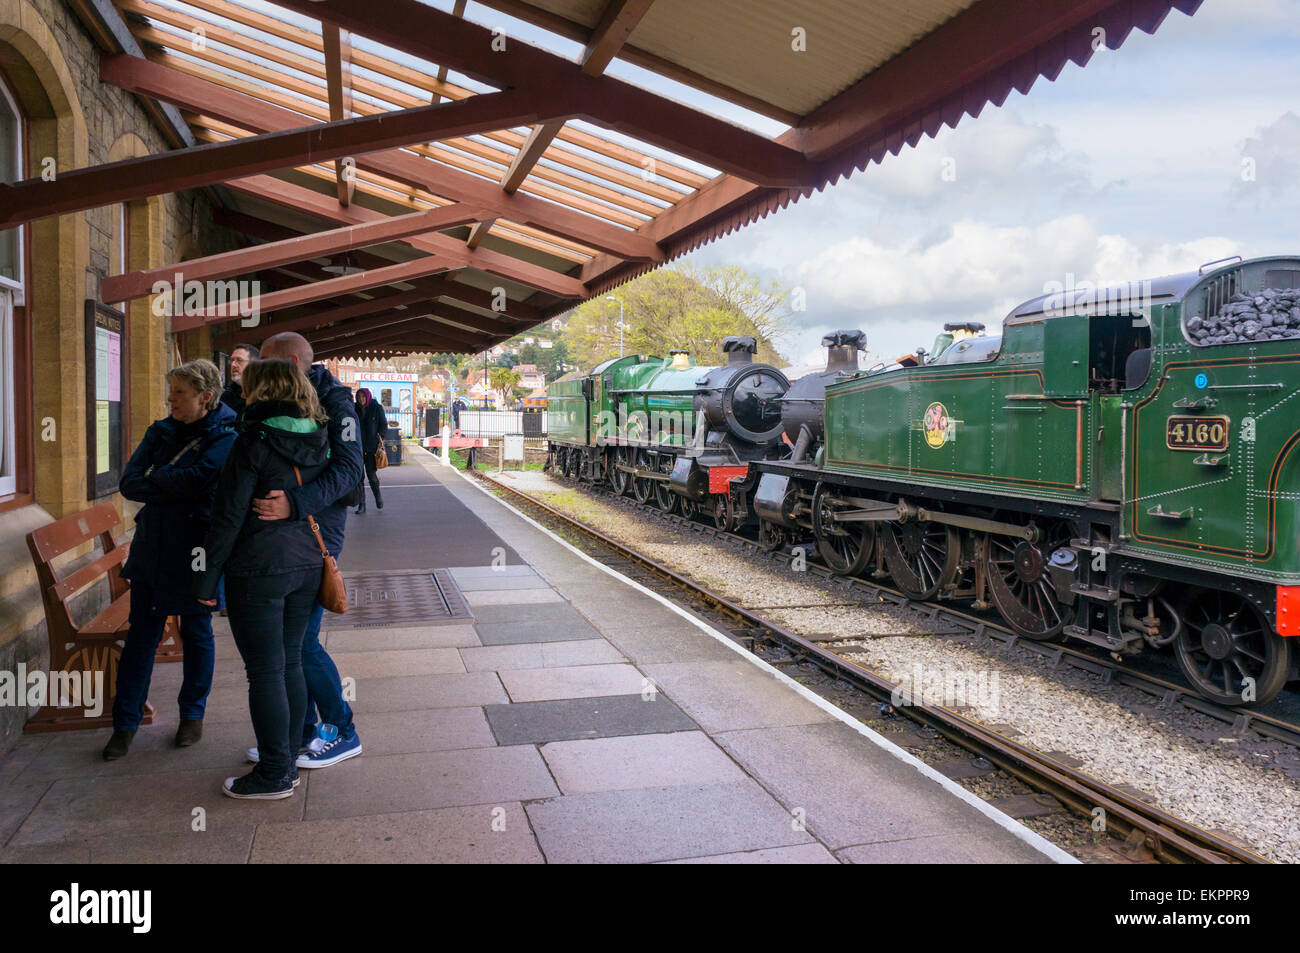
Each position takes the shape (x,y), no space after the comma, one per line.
(689,508)
(618,479)
(771,537)
(845,547)
(1226,640)
(922,557)
(562,460)
(664,494)
(642,488)
(1020,586)
(572,463)
(721,510)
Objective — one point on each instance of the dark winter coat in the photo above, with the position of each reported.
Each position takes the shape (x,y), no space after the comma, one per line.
(233,397)
(326,497)
(374,426)
(177,500)
(273,440)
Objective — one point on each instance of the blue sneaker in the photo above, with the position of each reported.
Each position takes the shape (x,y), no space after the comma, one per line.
(322,754)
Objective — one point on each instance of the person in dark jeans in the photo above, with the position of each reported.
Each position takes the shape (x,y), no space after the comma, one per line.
(173,472)
(272,569)
(374,424)
(329,498)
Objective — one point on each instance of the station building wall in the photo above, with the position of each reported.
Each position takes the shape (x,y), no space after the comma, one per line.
(49,67)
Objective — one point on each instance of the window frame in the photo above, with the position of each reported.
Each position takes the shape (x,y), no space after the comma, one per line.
(12,329)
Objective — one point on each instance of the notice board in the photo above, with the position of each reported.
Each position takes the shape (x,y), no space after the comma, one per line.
(107,401)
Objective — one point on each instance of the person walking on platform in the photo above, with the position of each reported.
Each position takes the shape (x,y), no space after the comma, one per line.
(374,425)
(173,472)
(272,568)
(233,395)
(328,499)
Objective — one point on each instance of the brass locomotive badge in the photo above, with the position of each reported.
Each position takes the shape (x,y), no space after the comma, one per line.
(1183,432)
(937,426)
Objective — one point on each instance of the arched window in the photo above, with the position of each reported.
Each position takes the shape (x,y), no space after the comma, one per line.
(11,289)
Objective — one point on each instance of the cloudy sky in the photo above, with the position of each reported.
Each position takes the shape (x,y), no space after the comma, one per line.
(1129,168)
(1136,166)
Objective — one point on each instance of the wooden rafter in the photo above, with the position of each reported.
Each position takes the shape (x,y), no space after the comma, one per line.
(454,252)
(138,178)
(260,116)
(427,32)
(338,81)
(137,284)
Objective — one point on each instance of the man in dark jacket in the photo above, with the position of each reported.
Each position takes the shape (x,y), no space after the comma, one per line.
(327,498)
(173,472)
(233,395)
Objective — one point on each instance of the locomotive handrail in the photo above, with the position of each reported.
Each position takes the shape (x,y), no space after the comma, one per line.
(1276,385)
(1027,397)
(1218,261)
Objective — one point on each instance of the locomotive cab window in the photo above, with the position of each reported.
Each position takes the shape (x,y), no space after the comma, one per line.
(1115,358)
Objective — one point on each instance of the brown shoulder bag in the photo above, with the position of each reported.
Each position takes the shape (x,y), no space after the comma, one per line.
(381,456)
(333,594)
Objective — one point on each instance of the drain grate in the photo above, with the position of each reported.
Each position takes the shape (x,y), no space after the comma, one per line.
(396,598)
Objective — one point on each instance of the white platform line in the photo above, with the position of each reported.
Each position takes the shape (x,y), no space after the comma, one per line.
(1007,823)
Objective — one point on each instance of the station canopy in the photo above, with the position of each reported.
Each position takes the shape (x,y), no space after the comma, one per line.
(435,177)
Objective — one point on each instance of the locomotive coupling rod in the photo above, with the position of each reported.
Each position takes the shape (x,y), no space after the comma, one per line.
(1028,533)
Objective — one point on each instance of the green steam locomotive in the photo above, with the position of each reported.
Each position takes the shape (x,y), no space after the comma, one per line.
(1116,467)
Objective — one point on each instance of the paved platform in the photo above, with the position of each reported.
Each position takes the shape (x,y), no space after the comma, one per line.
(573,718)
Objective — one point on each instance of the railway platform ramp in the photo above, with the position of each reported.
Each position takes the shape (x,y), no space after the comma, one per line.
(518,703)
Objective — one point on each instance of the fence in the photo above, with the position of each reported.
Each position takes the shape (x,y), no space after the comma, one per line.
(498,423)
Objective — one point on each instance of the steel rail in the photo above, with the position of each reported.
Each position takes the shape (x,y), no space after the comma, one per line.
(1170,839)
(1168,693)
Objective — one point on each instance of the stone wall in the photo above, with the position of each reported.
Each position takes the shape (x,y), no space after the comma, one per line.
(53,65)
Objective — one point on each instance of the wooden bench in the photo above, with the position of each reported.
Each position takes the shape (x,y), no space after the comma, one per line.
(95,646)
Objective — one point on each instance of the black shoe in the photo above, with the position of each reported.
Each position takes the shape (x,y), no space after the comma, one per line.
(118,745)
(379,503)
(254,786)
(189,733)
(362,508)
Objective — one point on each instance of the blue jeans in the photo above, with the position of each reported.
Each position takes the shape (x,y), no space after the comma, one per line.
(135,667)
(324,687)
(268,616)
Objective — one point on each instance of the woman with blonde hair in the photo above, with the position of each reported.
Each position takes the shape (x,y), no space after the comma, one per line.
(173,472)
(272,567)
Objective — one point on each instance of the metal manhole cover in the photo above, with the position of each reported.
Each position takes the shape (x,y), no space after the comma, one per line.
(396,598)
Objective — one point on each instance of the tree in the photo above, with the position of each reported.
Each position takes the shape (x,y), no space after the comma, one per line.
(681,307)
(504,381)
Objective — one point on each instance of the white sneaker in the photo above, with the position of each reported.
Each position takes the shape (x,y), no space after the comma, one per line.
(316,745)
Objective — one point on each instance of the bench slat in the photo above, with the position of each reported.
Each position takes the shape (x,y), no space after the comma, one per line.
(70,585)
(70,532)
(112,622)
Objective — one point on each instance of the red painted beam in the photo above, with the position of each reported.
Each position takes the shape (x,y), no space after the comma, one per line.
(248,112)
(411,301)
(517,311)
(137,284)
(315,291)
(137,178)
(429,33)
(454,252)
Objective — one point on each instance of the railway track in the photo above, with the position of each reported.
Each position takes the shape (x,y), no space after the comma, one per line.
(1140,824)
(1166,694)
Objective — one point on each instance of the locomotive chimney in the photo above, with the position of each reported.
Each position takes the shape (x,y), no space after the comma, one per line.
(842,349)
(739,350)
